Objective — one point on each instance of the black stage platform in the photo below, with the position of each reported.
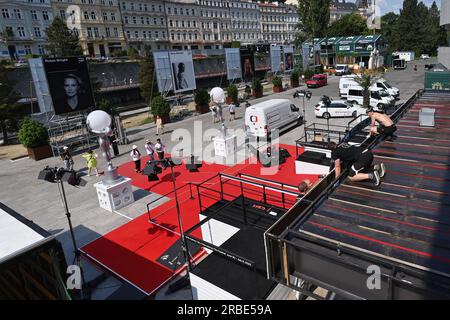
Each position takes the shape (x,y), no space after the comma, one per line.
(244,280)
(403,226)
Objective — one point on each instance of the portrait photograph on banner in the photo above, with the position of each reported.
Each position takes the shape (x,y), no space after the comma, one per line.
(69,84)
(247,64)
(183,71)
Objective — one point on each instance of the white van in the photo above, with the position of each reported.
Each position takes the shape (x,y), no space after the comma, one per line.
(342,69)
(379,99)
(264,117)
(347,81)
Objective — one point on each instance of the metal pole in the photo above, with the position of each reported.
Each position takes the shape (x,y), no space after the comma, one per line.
(183,239)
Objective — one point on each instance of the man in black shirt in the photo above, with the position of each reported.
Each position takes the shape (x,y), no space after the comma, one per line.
(360,160)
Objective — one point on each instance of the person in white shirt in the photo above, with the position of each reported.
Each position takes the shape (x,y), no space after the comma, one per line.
(232,108)
(159,148)
(150,148)
(136,156)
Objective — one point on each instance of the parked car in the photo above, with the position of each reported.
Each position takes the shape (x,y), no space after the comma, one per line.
(318,80)
(264,117)
(342,69)
(379,99)
(424,56)
(347,81)
(338,108)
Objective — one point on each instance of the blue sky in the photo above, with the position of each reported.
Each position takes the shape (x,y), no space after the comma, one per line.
(394,5)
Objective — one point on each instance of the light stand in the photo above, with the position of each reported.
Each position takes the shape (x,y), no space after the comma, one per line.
(168,162)
(59,175)
(304,94)
(327,101)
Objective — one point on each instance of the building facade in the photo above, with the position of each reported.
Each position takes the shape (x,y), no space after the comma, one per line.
(23,24)
(245,21)
(100,29)
(444,52)
(340,8)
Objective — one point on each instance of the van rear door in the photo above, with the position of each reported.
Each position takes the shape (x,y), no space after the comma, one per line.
(255,122)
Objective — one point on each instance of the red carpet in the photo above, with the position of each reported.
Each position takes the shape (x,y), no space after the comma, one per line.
(131,251)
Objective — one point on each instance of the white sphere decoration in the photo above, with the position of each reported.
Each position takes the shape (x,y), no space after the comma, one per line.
(217,95)
(99,121)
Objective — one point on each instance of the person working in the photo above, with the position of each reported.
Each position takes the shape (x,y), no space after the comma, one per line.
(91,161)
(159,148)
(387,126)
(304,186)
(360,160)
(150,148)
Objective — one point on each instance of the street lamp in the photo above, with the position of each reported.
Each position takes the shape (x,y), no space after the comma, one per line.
(327,101)
(304,94)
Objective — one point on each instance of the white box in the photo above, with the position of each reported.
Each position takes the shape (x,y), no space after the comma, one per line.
(310,168)
(115,196)
(225,147)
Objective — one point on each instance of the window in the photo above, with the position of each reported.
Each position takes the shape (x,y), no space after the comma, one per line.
(163,35)
(75,32)
(134,20)
(41,49)
(86,15)
(140,6)
(33,14)
(153,7)
(113,16)
(160,8)
(156,34)
(147,20)
(111,3)
(162,21)
(128,34)
(105,16)
(45,15)
(132,6)
(181,11)
(175,11)
(144,34)
(169,10)
(27,49)
(17,14)
(96,33)
(124,6)
(93,17)
(136,34)
(37,32)
(154,21)
(193,12)
(126,19)
(21,32)
(171,23)
(108,32)
(145,7)
(62,13)
(172,36)
(116,32)
(142,20)
(89,32)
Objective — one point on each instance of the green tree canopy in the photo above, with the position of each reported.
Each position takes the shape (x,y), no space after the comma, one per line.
(61,40)
(349,25)
(314,17)
(389,30)
(146,78)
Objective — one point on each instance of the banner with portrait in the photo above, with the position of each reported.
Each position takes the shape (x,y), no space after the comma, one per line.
(163,71)
(247,64)
(69,84)
(288,57)
(233,61)
(183,73)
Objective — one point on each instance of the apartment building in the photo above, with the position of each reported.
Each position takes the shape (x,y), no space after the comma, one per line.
(145,24)
(245,21)
(273,22)
(23,24)
(100,30)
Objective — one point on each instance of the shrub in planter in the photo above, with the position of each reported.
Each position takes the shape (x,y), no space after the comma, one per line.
(232,94)
(257,88)
(294,79)
(202,99)
(308,73)
(277,84)
(160,107)
(34,136)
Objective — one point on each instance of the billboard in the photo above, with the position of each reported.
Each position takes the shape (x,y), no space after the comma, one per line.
(69,84)
(40,84)
(247,64)
(182,71)
(233,61)
(276,58)
(163,70)
(288,58)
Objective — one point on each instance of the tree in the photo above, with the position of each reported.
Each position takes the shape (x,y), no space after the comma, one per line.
(389,30)
(6,34)
(10,111)
(314,17)
(147,79)
(349,25)
(366,80)
(61,40)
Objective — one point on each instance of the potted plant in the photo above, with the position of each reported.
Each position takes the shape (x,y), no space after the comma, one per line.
(294,79)
(34,136)
(232,94)
(277,84)
(202,99)
(160,107)
(257,88)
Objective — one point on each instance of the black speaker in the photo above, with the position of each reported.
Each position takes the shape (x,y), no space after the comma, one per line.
(152,177)
(284,153)
(47,175)
(192,167)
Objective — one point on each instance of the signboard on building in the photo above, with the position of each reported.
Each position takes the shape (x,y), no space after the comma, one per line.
(233,61)
(163,71)
(69,83)
(247,64)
